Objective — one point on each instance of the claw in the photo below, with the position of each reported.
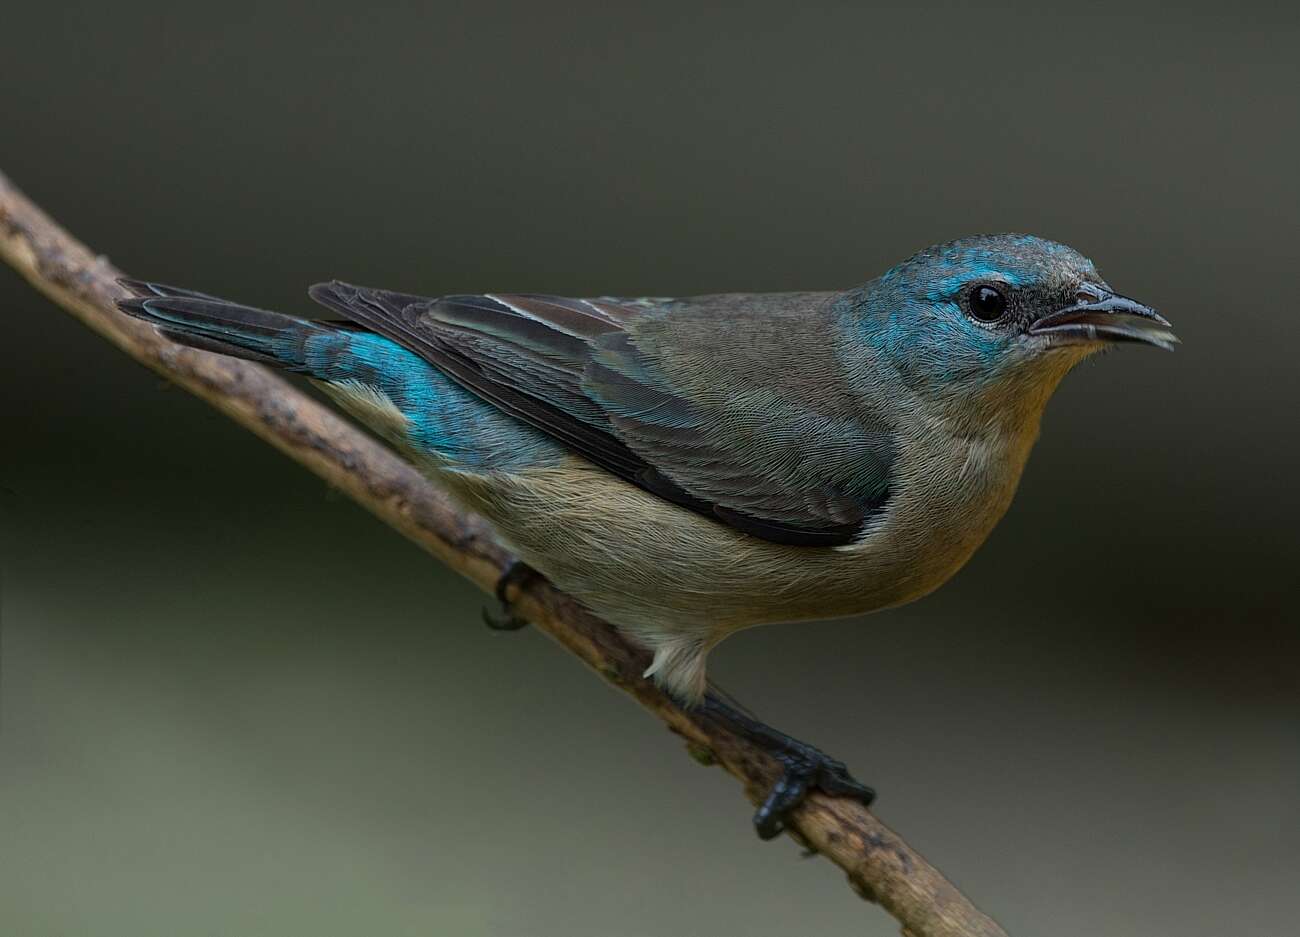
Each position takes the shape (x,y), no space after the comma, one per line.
(805,768)
(516,574)
(503,622)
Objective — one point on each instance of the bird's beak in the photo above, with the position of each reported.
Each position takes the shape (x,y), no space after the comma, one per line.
(1099,315)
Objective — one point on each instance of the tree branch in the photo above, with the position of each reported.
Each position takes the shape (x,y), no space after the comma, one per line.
(880,865)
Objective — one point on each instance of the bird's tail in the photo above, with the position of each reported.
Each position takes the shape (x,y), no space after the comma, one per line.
(213,324)
(385,386)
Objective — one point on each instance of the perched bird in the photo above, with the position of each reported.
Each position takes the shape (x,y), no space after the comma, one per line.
(691,467)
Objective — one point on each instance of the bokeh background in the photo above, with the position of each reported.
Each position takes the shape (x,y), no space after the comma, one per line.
(231,703)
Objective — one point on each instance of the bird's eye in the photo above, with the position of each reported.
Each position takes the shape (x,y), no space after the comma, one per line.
(987,304)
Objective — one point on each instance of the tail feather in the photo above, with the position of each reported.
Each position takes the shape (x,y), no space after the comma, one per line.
(211,324)
(385,385)
(145,289)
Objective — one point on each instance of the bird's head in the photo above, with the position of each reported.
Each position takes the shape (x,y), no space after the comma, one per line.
(992,323)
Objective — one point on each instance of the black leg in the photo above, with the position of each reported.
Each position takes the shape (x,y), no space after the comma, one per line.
(805,767)
(517,574)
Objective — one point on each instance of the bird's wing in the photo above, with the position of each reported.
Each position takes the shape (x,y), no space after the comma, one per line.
(619,384)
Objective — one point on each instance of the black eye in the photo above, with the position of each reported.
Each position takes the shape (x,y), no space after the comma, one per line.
(987,304)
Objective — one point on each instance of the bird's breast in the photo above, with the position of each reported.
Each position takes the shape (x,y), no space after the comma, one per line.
(951,490)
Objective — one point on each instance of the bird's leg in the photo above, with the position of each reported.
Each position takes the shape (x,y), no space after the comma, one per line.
(805,767)
(518,573)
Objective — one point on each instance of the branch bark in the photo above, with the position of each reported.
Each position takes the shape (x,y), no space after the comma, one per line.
(880,866)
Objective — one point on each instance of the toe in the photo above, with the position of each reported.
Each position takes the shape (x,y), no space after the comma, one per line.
(505,622)
(833,778)
(787,793)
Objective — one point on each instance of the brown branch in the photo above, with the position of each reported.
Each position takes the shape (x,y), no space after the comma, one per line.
(880,866)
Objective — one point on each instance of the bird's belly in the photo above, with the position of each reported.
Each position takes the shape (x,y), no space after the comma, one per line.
(654,568)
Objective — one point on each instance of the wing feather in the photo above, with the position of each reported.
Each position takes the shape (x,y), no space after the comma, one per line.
(579,370)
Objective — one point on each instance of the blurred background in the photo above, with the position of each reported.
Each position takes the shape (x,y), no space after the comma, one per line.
(232,703)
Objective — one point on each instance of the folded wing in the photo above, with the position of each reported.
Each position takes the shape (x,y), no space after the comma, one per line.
(589,374)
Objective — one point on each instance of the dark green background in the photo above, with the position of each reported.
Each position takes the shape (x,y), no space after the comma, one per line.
(234,704)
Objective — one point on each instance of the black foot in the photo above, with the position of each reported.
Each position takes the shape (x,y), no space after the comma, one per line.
(806,767)
(516,574)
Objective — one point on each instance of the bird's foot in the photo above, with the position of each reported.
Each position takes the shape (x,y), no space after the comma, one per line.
(518,573)
(804,768)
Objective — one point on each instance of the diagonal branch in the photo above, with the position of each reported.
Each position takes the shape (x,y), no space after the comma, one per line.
(880,866)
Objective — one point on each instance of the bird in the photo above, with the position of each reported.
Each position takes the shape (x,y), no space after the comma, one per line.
(690,467)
